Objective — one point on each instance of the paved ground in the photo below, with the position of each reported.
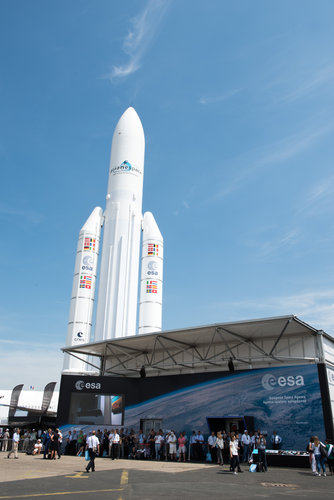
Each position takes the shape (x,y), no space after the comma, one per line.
(33,477)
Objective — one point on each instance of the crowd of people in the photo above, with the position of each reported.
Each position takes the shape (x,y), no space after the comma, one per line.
(320,453)
(233,448)
(222,448)
(159,445)
(33,442)
(126,443)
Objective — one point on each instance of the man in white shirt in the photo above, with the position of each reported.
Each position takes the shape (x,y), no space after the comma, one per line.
(276,441)
(212,446)
(158,441)
(93,447)
(15,444)
(246,441)
(115,440)
(172,440)
(199,446)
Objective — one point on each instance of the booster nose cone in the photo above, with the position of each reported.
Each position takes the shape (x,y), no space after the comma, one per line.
(94,221)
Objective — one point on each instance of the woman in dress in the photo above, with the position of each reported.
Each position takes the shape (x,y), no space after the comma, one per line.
(54,444)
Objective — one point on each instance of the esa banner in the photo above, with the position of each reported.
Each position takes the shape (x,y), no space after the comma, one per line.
(286,399)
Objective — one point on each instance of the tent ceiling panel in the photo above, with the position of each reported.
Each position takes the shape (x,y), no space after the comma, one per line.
(255,343)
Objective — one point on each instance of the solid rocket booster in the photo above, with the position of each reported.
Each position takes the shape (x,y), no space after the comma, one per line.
(150,308)
(118,285)
(82,300)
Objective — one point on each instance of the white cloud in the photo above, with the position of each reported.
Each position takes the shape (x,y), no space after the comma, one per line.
(271,155)
(280,243)
(15,343)
(310,81)
(319,198)
(26,215)
(214,99)
(140,37)
(315,307)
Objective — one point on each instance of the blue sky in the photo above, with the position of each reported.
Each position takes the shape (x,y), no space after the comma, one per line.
(236,101)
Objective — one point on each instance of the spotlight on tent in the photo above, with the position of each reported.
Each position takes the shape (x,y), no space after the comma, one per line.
(142,372)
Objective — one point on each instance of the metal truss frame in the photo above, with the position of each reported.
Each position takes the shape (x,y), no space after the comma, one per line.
(166,354)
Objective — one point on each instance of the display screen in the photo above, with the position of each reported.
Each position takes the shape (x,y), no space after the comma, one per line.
(96,409)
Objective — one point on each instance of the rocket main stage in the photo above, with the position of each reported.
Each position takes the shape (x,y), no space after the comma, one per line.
(116,314)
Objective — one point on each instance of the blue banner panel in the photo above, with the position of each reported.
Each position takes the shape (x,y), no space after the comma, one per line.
(286,399)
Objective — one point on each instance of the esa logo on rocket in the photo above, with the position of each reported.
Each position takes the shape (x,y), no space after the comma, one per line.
(152,268)
(87,262)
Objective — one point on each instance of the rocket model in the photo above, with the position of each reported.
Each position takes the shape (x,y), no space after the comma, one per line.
(117,304)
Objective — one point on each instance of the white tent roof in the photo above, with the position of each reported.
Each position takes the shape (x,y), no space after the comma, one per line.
(251,344)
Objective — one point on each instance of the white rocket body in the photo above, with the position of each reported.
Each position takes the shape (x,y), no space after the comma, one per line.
(84,280)
(116,314)
(118,285)
(150,308)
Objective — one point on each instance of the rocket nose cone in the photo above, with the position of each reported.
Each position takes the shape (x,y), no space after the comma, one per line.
(131,114)
(130,122)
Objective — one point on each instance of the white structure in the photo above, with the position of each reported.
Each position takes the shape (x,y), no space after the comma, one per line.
(117,299)
(84,280)
(29,403)
(116,315)
(150,311)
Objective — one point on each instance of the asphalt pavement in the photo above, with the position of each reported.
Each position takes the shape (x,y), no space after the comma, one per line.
(33,477)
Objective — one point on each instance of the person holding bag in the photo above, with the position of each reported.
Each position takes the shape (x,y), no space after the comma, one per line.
(93,446)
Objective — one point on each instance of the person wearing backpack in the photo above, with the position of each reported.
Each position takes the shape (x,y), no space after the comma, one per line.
(330,455)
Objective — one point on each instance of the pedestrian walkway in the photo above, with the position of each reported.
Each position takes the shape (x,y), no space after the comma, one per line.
(28,466)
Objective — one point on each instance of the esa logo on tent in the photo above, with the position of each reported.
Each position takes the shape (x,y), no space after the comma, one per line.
(269,381)
(80,385)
